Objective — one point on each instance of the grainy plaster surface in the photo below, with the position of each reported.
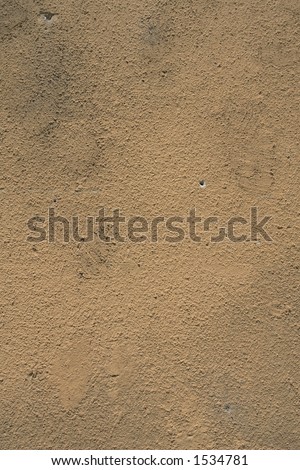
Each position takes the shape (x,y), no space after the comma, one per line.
(128,104)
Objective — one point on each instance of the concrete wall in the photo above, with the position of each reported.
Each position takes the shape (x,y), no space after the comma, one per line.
(129,104)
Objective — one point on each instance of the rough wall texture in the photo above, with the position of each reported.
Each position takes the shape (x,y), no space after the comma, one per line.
(128,104)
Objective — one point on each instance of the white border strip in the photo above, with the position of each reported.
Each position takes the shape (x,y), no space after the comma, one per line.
(134,459)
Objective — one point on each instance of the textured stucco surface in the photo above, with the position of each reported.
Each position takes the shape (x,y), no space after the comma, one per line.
(129,104)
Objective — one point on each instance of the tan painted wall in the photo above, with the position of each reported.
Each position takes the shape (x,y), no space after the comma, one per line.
(128,104)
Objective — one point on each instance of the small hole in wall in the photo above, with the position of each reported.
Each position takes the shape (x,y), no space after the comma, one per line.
(47,15)
(202,184)
(227,408)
